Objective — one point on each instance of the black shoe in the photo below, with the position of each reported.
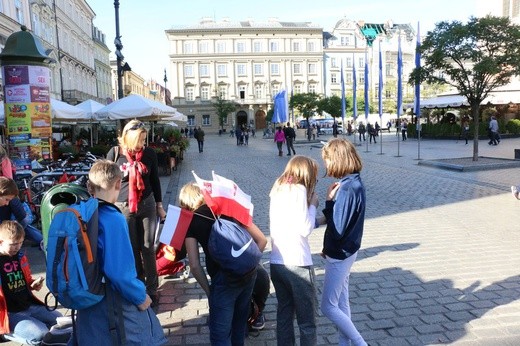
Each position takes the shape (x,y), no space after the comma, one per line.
(289,154)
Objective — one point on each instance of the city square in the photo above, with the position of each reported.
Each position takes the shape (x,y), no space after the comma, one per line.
(439,259)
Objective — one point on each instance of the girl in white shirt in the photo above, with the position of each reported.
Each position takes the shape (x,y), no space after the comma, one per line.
(292,218)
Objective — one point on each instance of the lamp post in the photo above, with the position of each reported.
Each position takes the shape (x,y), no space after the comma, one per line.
(165,89)
(119,55)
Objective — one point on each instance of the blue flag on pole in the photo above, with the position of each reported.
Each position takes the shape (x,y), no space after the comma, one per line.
(380,89)
(280,107)
(417,82)
(354,87)
(366,87)
(343,102)
(399,79)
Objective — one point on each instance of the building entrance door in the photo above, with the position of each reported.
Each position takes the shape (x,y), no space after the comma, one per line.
(241,119)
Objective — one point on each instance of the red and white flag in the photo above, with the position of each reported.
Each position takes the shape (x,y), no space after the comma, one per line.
(175,226)
(224,197)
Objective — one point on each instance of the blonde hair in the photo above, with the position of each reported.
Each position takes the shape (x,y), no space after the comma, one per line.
(300,170)
(190,197)
(341,158)
(103,175)
(3,152)
(129,138)
(11,230)
(8,187)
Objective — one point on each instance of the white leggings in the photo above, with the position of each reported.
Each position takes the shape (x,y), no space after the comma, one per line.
(334,301)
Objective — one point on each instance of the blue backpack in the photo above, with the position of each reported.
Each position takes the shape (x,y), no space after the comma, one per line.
(233,248)
(73,272)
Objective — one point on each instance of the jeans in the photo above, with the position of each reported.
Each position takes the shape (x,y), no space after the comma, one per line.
(33,234)
(290,146)
(142,226)
(334,302)
(229,309)
(201,146)
(31,325)
(296,294)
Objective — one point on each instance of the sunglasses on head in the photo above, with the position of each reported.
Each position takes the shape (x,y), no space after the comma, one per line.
(136,126)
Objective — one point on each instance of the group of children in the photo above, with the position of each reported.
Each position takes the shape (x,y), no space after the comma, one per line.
(293,217)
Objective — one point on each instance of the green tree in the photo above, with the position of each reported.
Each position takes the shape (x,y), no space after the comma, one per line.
(476,58)
(223,108)
(331,105)
(306,104)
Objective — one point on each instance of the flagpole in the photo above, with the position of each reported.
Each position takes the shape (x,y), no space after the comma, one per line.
(418,92)
(354,96)
(367,104)
(380,98)
(399,92)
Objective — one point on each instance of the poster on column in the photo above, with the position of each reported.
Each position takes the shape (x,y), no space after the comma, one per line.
(28,113)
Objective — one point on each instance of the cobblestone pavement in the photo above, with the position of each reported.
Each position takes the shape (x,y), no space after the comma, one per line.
(439,262)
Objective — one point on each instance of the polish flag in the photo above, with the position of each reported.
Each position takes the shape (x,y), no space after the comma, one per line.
(175,226)
(224,197)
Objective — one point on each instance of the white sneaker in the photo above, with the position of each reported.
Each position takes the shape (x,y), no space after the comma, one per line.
(514,191)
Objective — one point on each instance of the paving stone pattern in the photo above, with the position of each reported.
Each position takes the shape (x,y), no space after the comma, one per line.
(439,262)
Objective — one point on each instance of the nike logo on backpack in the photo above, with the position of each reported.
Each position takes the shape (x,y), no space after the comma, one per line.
(237,253)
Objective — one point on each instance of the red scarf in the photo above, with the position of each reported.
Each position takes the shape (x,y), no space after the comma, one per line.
(135,180)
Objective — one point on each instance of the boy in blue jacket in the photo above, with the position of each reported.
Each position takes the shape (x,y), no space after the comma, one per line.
(136,322)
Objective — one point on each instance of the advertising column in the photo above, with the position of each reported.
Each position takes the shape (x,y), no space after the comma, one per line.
(28,113)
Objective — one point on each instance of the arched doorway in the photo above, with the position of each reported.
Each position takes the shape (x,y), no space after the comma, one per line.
(260,119)
(241,119)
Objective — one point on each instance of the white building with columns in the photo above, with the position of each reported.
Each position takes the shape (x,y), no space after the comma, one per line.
(246,62)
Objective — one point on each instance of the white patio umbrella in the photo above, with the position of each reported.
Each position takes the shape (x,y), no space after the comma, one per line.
(134,106)
(90,107)
(63,111)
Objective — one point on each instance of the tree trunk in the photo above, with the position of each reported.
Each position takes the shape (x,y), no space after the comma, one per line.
(475,108)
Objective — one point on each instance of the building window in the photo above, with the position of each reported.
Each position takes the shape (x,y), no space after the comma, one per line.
(189,94)
(333,78)
(273,46)
(389,69)
(275,89)
(275,69)
(204,70)
(206,120)
(348,77)
(204,93)
(191,120)
(203,47)
(241,70)
(297,68)
(188,48)
(361,62)
(311,46)
(345,40)
(311,68)
(188,70)
(296,46)
(298,89)
(221,47)
(257,46)
(258,68)
(225,120)
(242,92)
(333,62)
(388,94)
(222,70)
(222,92)
(361,78)
(312,88)
(258,91)
(349,62)
(241,47)
(19,11)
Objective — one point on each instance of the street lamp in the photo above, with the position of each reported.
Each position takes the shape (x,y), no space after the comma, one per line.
(165,90)
(119,55)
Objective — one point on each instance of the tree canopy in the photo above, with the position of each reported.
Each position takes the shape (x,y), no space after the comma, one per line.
(475,58)
(306,104)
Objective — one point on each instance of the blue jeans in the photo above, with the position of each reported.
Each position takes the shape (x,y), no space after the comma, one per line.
(334,302)
(33,234)
(31,325)
(295,293)
(229,309)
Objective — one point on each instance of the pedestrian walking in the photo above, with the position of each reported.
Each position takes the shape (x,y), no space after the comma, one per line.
(200,139)
(404,129)
(290,136)
(494,137)
(361,131)
(279,138)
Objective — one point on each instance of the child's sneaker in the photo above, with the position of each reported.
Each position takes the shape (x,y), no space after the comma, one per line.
(514,191)
(259,322)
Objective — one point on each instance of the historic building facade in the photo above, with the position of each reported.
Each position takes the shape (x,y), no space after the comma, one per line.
(246,63)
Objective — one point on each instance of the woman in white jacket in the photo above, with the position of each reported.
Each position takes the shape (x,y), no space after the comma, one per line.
(292,218)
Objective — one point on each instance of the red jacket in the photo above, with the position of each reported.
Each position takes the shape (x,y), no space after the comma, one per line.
(4,319)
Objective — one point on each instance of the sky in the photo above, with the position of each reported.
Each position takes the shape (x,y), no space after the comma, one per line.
(142,24)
